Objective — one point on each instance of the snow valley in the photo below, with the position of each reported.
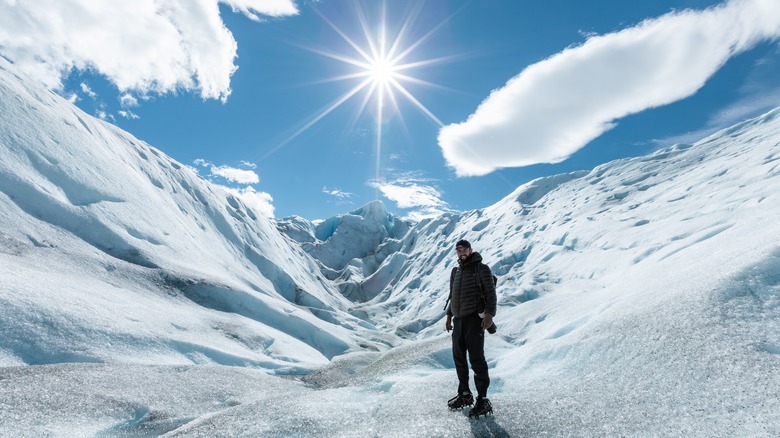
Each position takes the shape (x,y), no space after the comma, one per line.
(137,299)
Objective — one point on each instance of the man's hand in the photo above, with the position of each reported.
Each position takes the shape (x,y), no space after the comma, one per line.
(448,324)
(487,321)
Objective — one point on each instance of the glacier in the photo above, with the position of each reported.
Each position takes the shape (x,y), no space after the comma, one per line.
(639,298)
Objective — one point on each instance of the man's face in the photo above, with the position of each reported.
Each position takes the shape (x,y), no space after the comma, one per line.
(463,252)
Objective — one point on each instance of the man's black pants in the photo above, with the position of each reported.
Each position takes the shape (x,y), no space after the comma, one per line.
(468,336)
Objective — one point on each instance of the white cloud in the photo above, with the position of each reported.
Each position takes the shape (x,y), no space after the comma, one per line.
(338,193)
(260,202)
(232,174)
(87,90)
(150,46)
(555,107)
(248,164)
(414,194)
(200,162)
(129,115)
(271,8)
(127,100)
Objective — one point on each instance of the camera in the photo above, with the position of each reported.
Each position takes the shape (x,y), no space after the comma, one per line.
(492,328)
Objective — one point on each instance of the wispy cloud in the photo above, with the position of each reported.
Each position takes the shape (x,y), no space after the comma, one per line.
(759,94)
(233,179)
(129,114)
(87,90)
(248,164)
(102,115)
(147,46)
(232,174)
(200,162)
(127,100)
(555,107)
(418,195)
(338,193)
(747,107)
(260,202)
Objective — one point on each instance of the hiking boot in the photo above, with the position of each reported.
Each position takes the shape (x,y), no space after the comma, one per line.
(460,401)
(483,407)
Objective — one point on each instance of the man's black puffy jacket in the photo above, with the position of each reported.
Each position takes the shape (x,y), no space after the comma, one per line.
(465,292)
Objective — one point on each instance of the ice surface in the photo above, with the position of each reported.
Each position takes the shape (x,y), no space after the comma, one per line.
(640,298)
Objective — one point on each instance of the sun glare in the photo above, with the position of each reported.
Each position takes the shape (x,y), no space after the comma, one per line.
(381,71)
(378,68)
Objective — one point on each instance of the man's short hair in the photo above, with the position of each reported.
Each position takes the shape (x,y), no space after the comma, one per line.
(463,243)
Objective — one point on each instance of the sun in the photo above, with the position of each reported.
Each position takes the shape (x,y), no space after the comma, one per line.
(380,62)
(380,69)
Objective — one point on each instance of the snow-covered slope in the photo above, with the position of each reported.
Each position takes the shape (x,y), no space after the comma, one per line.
(709,207)
(112,251)
(641,298)
(643,292)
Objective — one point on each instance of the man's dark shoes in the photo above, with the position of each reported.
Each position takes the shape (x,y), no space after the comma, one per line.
(483,407)
(460,401)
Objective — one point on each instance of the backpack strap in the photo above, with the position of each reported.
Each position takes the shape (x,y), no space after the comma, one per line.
(452,278)
(478,280)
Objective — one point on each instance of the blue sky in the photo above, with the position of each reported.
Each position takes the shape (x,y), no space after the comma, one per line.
(491,93)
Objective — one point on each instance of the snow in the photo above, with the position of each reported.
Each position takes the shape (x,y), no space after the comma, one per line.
(640,298)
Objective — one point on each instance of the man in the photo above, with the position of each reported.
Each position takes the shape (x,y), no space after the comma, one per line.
(471,309)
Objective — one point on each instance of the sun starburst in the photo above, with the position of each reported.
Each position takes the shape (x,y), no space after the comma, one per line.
(381,70)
